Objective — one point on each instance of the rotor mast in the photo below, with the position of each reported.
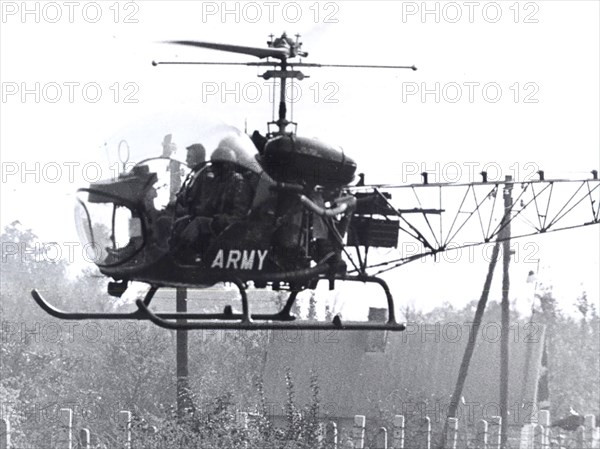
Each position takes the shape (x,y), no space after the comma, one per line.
(282,121)
(283,74)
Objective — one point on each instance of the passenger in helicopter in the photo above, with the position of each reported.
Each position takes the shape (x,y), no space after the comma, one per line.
(193,193)
(213,199)
(196,187)
(232,194)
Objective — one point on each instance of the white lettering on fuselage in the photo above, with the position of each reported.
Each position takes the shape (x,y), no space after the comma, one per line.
(240,259)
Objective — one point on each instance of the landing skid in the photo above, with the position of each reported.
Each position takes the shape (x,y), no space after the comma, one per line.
(228,320)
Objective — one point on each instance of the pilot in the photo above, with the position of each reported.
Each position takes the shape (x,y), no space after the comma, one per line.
(190,202)
(195,184)
(233,194)
(196,155)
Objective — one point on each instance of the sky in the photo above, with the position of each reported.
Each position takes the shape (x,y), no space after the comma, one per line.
(510,87)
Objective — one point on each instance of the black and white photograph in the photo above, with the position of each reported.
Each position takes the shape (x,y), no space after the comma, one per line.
(300,225)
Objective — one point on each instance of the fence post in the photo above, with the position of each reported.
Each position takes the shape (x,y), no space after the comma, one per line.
(4,434)
(241,419)
(65,435)
(589,422)
(452,434)
(125,428)
(398,440)
(595,438)
(331,435)
(495,432)
(538,436)
(544,420)
(526,438)
(84,438)
(321,434)
(381,439)
(359,431)
(426,424)
(580,438)
(481,438)
(593,431)
(94,443)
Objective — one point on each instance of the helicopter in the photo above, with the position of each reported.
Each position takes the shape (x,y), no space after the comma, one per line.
(307,220)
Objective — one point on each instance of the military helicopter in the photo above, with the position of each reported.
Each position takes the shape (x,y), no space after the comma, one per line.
(304,221)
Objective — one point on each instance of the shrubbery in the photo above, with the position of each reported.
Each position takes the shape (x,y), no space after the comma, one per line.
(44,366)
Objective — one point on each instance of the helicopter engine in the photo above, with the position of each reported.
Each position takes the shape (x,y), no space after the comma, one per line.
(301,160)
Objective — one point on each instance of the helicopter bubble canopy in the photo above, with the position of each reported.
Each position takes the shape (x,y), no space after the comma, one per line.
(149,159)
(167,135)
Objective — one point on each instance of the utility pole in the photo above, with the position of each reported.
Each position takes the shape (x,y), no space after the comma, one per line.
(181,343)
(532,278)
(466,360)
(183,387)
(505,308)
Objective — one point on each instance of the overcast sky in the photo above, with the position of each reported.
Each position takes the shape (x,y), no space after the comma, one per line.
(511,86)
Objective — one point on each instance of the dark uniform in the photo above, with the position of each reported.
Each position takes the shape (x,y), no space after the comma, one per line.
(231,199)
(211,199)
(195,193)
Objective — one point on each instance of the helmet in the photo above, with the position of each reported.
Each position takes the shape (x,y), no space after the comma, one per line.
(223,154)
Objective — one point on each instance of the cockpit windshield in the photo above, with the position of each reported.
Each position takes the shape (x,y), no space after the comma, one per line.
(111,233)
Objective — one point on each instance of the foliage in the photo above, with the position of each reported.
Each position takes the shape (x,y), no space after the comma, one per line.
(573,356)
(221,425)
(101,368)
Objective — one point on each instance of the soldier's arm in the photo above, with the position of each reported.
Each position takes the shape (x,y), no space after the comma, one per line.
(243,194)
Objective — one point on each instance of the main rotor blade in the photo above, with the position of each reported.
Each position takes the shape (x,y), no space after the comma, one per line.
(279,53)
(359,66)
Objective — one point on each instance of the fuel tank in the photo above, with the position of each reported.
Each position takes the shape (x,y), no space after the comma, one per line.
(291,158)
